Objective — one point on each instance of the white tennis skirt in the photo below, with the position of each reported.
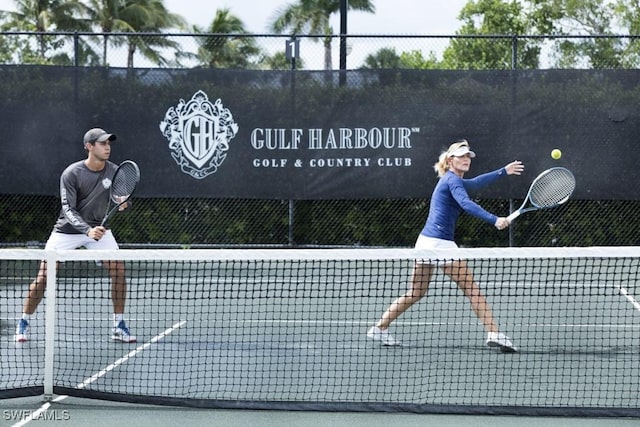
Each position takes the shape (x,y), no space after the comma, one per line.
(424,242)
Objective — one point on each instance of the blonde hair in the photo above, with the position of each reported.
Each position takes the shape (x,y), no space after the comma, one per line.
(442,165)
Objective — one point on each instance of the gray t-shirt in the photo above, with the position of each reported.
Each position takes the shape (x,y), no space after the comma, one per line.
(85,197)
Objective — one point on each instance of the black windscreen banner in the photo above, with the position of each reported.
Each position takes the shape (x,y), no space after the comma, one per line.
(304,135)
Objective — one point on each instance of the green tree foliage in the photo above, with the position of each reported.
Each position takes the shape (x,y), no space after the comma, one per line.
(585,22)
(312,17)
(137,16)
(388,58)
(8,45)
(226,44)
(49,16)
(279,61)
(415,60)
(476,51)
(628,13)
(585,18)
(44,16)
(591,19)
(151,16)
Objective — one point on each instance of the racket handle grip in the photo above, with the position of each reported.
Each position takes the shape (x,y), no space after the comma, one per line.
(514,215)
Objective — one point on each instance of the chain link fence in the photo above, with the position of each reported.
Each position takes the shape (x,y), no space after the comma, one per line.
(318,52)
(212,222)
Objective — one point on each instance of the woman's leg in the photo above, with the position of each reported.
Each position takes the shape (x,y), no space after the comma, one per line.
(418,287)
(460,273)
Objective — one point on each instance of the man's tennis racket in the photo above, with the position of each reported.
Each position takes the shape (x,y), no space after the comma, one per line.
(123,185)
(551,188)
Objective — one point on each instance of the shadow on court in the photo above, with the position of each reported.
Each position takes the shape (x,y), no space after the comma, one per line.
(71,412)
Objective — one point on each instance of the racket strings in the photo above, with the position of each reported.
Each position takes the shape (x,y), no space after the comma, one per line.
(124,183)
(553,188)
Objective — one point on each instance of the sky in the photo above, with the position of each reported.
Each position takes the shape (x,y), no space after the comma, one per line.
(393,17)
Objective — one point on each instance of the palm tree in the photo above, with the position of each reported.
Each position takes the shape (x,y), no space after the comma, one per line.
(151,16)
(219,50)
(43,16)
(386,57)
(137,16)
(312,17)
(279,61)
(105,14)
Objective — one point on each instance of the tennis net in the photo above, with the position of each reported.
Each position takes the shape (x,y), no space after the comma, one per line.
(287,329)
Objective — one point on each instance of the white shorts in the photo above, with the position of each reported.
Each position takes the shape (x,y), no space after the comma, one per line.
(62,241)
(425,242)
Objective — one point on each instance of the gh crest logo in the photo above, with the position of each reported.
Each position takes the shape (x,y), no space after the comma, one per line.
(199,133)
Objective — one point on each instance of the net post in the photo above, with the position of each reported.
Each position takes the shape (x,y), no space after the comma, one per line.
(50,319)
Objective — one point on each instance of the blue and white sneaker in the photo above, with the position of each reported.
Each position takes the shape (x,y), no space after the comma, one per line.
(121,333)
(22,331)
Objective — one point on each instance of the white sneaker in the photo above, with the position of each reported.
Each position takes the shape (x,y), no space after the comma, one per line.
(500,340)
(121,333)
(381,335)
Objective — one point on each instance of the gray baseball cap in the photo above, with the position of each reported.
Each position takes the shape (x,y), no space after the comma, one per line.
(98,135)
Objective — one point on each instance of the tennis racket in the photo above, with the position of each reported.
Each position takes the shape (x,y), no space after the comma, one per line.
(123,185)
(551,188)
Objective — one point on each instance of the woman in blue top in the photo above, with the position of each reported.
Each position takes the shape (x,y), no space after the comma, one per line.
(448,200)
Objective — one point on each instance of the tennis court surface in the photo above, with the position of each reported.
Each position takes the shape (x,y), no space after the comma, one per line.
(286,330)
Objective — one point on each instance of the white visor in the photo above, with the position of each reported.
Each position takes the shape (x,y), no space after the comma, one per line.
(461,151)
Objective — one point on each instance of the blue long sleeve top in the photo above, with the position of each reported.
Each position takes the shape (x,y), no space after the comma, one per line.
(450,198)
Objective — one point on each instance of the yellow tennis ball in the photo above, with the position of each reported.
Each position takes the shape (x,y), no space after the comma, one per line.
(556,154)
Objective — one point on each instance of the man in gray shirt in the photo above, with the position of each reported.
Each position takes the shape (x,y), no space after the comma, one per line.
(84,194)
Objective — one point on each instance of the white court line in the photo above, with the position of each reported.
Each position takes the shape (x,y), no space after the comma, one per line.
(35,415)
(413,323)
(630,297)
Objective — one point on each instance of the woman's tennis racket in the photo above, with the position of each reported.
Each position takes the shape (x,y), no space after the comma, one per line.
(551,188)
(123,185)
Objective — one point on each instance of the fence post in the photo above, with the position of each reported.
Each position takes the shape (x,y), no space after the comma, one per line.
(514,66)
(295,52)
(343,42)
(76,69)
